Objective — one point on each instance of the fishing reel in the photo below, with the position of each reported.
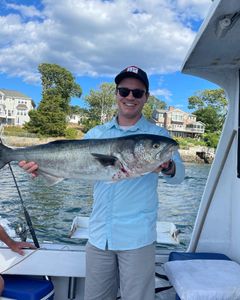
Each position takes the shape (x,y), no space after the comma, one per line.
(21,231)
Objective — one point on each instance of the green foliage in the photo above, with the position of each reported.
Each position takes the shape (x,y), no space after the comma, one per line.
(209,116)
(71,133)
(214,98)
(77,110)
(183,144)
(156,103)
(186,143)
(58,86)
(211,139)
(210,108)
(89,123)
(152,104)
(48,119)
(59,81)
(101,104)
(208,140)
(16,131)
(147,111)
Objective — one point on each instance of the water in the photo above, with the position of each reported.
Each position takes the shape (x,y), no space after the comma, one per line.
(52,209)
(179,203)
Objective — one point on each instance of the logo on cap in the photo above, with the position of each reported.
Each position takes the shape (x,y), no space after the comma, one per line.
(132,69)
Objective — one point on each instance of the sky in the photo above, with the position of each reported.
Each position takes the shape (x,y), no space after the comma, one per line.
(95,39)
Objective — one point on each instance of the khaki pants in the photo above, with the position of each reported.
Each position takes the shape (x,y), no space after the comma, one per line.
(134,269)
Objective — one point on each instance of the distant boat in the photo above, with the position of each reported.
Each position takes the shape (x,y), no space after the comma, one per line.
(167,233)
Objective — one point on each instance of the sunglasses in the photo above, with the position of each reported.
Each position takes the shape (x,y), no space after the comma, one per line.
(124,92)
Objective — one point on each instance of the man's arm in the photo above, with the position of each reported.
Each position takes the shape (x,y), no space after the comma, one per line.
(174,169)
(177,173)
(14,245)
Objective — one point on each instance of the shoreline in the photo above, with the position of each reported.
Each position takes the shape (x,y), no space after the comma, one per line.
(198,154)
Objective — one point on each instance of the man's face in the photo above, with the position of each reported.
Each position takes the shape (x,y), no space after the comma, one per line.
(130,106)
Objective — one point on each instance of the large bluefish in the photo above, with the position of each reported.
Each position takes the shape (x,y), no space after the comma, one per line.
(109,159)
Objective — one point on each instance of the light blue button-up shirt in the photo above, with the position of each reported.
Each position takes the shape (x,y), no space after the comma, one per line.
(124,213)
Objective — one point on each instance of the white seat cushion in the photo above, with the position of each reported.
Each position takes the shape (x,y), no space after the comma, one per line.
(200,279)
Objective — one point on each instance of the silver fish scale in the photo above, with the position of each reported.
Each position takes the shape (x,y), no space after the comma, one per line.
(95,159)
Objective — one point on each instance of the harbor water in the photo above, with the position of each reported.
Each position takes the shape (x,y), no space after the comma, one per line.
(52,209)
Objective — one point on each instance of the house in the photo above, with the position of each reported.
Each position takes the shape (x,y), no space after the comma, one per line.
(14,107)
(74,119)
(178,122)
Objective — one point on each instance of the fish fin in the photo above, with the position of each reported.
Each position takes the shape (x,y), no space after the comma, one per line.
(50,179)
(105,160)
(3,160)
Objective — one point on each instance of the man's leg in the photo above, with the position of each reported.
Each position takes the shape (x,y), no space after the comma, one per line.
(101,274)
(137,273)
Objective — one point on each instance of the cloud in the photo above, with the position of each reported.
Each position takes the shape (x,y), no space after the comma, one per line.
(193,8)
(26,11)
(166,94)
(97,37)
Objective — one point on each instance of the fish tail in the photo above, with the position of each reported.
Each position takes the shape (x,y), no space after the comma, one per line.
(3,155)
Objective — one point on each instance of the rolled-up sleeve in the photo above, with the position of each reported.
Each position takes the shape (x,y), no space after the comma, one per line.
(179,170)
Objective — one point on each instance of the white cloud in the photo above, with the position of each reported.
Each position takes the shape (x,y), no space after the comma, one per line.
(158,93)
(97,37)
(25,11)
(193,8)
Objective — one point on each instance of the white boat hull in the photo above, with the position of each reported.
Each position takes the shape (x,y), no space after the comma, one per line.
(60,263)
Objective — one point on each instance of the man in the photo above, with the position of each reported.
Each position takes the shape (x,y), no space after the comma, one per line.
(122,227)
(14,246)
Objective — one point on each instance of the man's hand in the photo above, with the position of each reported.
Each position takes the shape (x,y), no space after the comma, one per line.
(18,246)
(30,167)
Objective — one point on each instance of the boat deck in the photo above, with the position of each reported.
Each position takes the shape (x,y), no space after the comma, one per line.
(165,295)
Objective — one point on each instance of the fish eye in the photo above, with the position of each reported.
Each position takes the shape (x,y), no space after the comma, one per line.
(156,146)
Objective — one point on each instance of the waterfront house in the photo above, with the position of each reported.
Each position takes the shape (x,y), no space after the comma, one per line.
(75,118)
(178,122)
(14,107)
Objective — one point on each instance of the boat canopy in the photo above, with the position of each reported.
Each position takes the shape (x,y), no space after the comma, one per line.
(215,56)
(217,46)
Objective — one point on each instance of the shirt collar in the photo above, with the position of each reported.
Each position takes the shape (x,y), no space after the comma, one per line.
(141,124)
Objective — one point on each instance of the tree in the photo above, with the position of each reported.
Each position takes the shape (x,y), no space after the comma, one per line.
(61,82)
(101,104)
(210,118)
(211,109)
(211,139)
(48,119)
(58,86)
(75,109)
(152,104)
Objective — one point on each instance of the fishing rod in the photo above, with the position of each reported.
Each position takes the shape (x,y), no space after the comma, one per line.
(26,214)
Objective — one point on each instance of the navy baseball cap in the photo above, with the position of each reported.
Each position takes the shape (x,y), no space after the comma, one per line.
(133,72)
